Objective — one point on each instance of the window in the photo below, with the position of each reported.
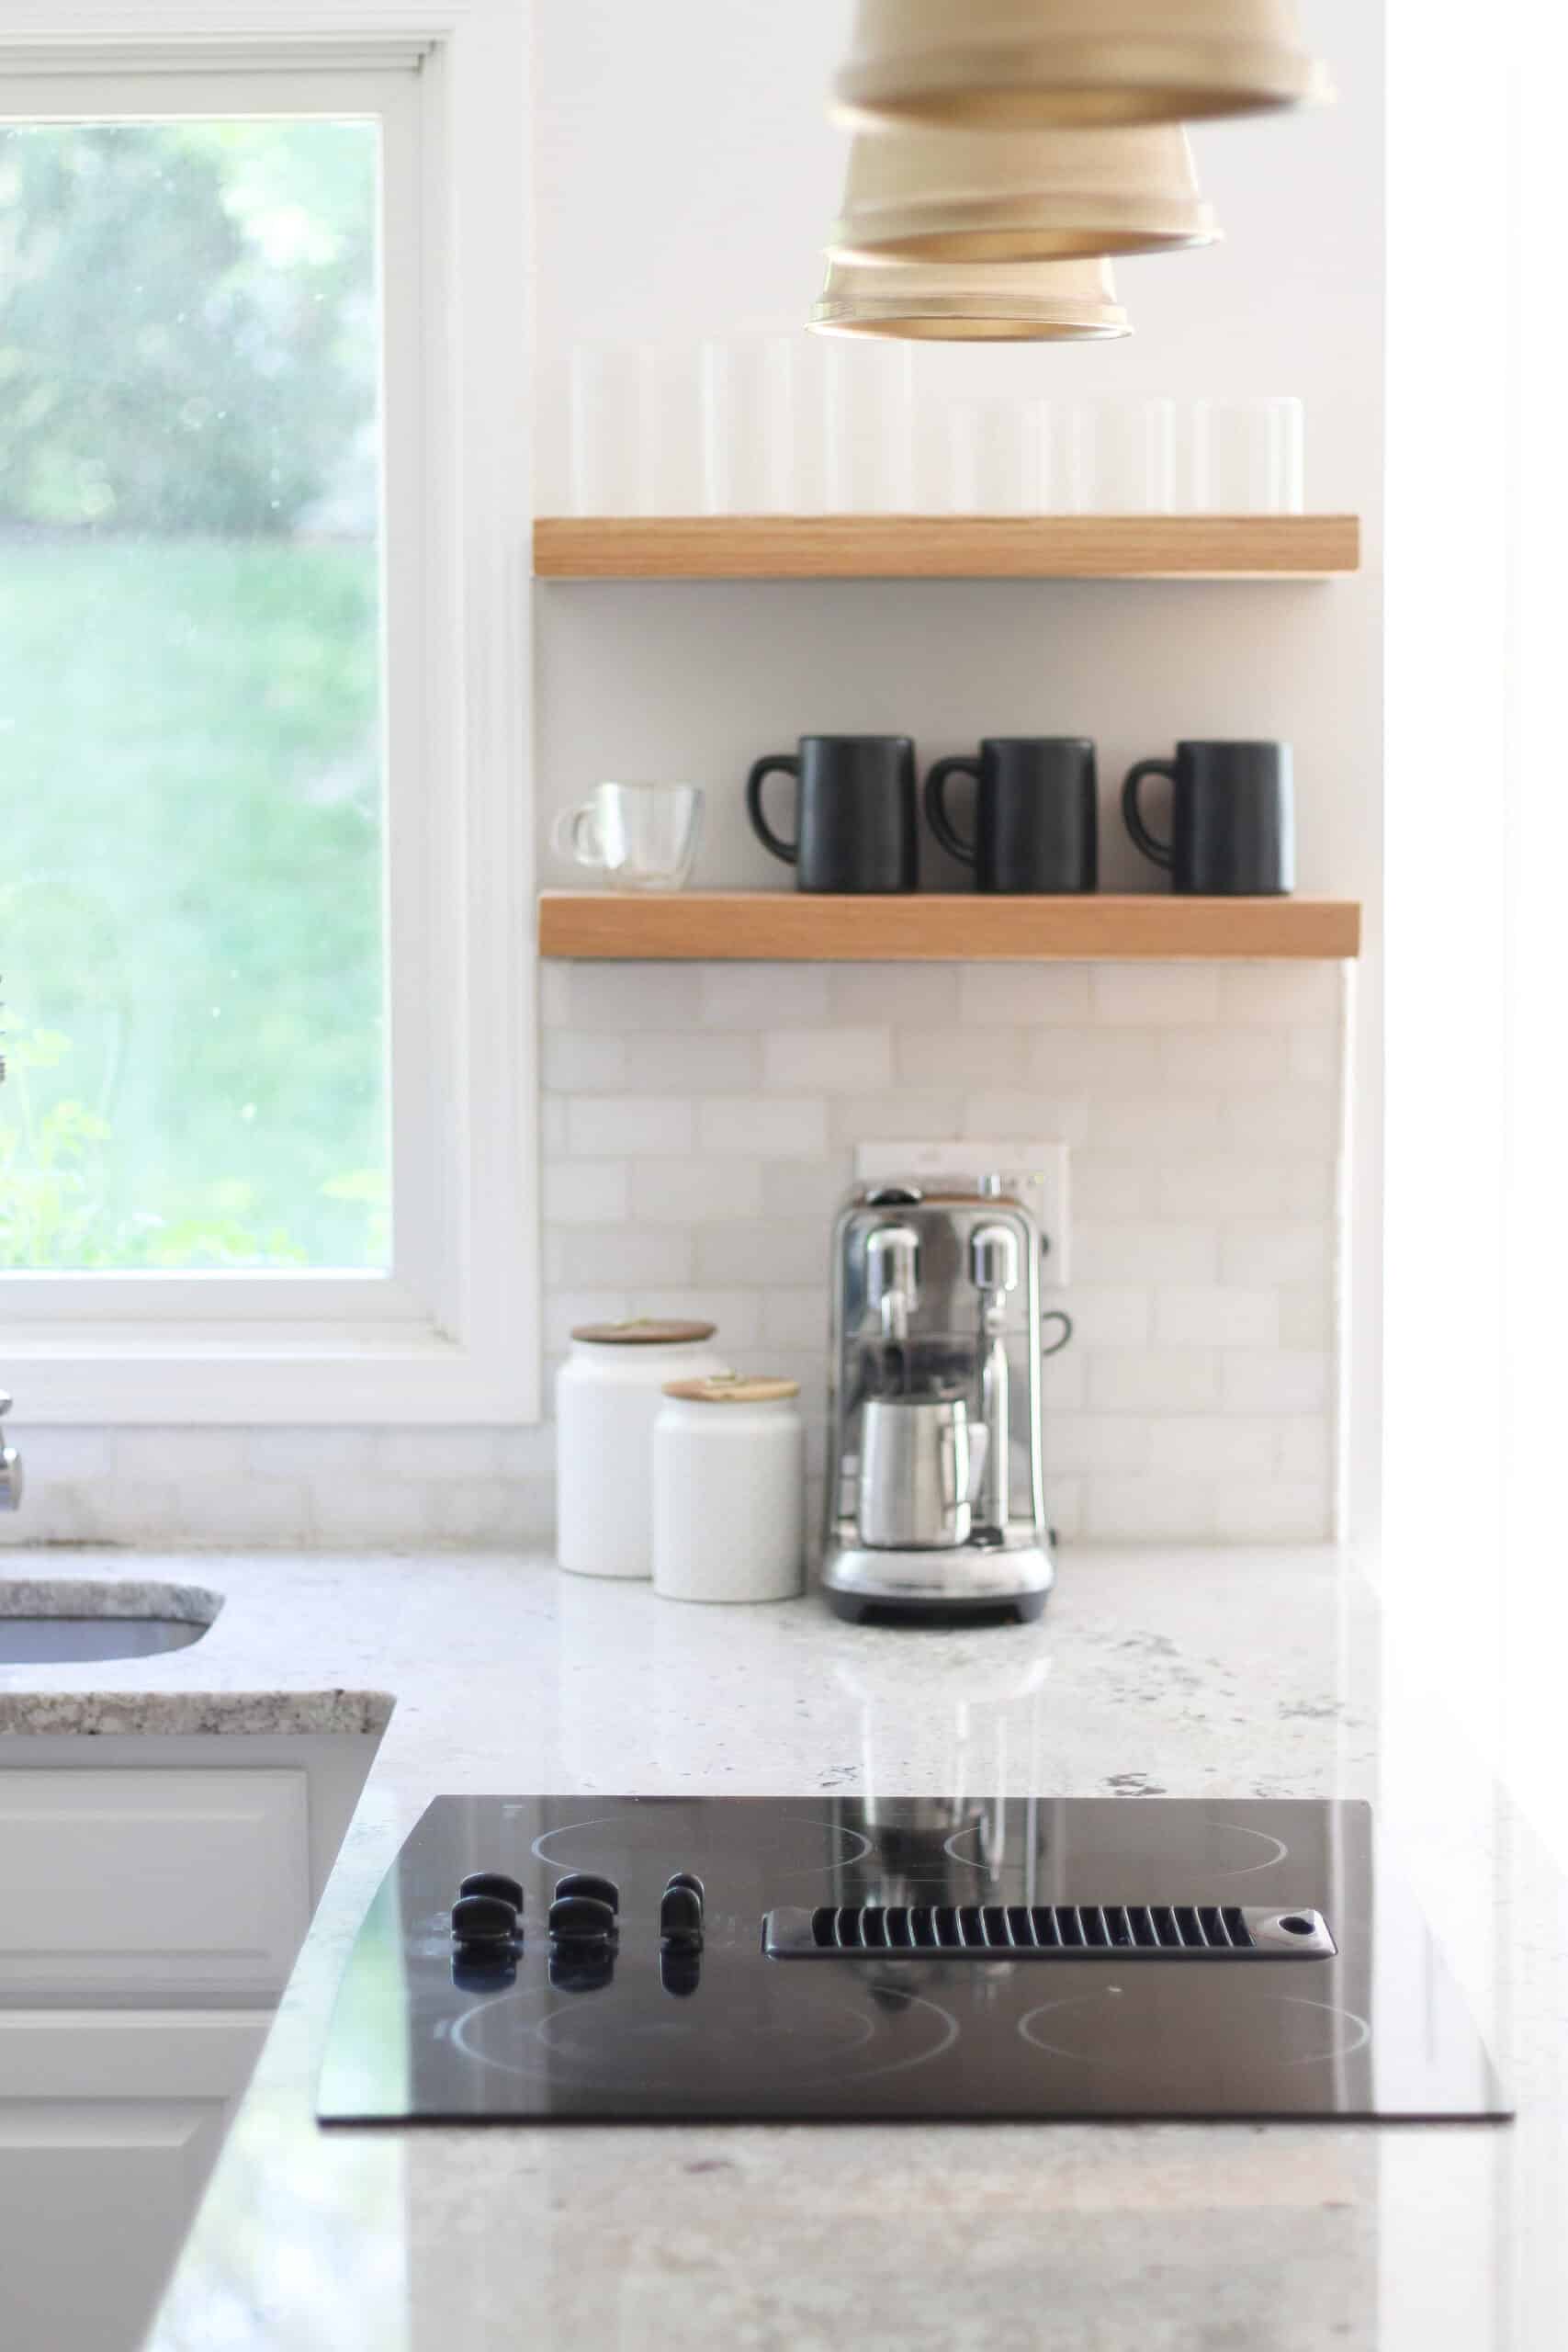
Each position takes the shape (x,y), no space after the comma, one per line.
(264,1142)
(190,695)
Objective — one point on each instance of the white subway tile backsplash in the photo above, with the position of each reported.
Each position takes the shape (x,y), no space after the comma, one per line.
(1277,1380)
(633,997)
(1224,1057)
(1315,1055)
(964,1057)
(1132,1508)
(696,1193)
(440,1456)
(1142,1252)
(1104,1188)
(795,1319)
(915,995)
(759,997)
(586,1192)
(1266,995)
(602,1127)
(1276,1511)
(704,1062)
(764,1126)
(624,1257)
(1095,1061)
(1215,1445)
(1291,1117)
(582,1061)
(1023,996)
(207,1456)
(1080,1442)
(815,1191)
(1155,996)
(1107,1315)
(1153,1380)
(1306,1452)
(66,1457)
(1207,1315)
(301,1454)
(1007,1114)
(1236,1185)
(1268,1250)
(697,1126)
(772,1254)
(1307,1313)
(828,1061)
(1158,1125)
(906,1114)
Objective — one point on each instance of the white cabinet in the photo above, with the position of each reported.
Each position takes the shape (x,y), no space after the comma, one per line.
(166,1885)
(110,2123)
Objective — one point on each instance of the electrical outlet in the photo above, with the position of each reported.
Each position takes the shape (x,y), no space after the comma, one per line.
(1037,1172)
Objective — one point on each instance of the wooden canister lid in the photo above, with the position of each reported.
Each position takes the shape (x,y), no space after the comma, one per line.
(732,1388)
(645,1332)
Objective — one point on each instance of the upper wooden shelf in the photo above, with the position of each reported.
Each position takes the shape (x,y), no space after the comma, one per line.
(789,926)
(946,547)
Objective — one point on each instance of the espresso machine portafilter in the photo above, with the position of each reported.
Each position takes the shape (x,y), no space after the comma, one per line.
(935,1475)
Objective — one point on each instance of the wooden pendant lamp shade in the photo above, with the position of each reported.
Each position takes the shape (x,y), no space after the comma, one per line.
(1020,63)
(1010,195)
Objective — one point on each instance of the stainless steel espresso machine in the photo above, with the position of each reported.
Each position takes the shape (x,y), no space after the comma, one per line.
(935,1469)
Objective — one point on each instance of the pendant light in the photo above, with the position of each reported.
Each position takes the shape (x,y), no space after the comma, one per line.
(920,195)
(1000,63)
(1059,301)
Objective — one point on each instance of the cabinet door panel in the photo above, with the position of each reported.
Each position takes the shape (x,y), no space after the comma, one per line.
(108,2129)
(169,1884)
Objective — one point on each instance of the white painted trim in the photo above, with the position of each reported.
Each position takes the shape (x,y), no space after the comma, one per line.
(453,1335)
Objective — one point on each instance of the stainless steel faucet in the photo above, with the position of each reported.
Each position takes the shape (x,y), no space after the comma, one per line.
(10,1466)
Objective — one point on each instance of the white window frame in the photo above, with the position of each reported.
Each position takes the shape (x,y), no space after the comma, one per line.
(451,1333)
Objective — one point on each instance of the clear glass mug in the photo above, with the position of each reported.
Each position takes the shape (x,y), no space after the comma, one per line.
(639,836)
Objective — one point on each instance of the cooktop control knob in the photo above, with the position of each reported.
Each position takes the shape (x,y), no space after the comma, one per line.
(589,1883)
(681,1920)
(485,1923)
(680,1971)
(581,1919)
(497,1883)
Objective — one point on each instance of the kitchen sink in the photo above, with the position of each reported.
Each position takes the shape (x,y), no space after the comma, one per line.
(77,1624)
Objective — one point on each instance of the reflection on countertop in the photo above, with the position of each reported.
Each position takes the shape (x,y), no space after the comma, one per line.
(1187,1673)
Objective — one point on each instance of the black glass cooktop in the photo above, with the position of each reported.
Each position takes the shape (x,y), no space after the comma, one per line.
(683,1959)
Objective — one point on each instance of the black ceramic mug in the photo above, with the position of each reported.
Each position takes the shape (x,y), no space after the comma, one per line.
(1233,826)
(855,826)
(1037,813)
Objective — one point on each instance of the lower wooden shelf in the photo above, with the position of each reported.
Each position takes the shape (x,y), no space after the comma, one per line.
(789,926)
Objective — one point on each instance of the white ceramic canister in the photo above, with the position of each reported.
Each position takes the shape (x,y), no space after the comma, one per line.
(729,1490)
(608,1394)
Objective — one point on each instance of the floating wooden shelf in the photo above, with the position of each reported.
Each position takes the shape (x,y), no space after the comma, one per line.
(787,926)
(946,547)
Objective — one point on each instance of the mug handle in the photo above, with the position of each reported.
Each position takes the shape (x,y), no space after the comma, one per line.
(1161,852)
(776,764)
(937,816)
(575,834)
(1056,1314)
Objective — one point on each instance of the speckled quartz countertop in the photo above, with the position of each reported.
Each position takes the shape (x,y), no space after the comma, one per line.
(1186,1673)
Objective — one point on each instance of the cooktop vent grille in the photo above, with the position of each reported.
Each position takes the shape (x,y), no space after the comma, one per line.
(1045,1930)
